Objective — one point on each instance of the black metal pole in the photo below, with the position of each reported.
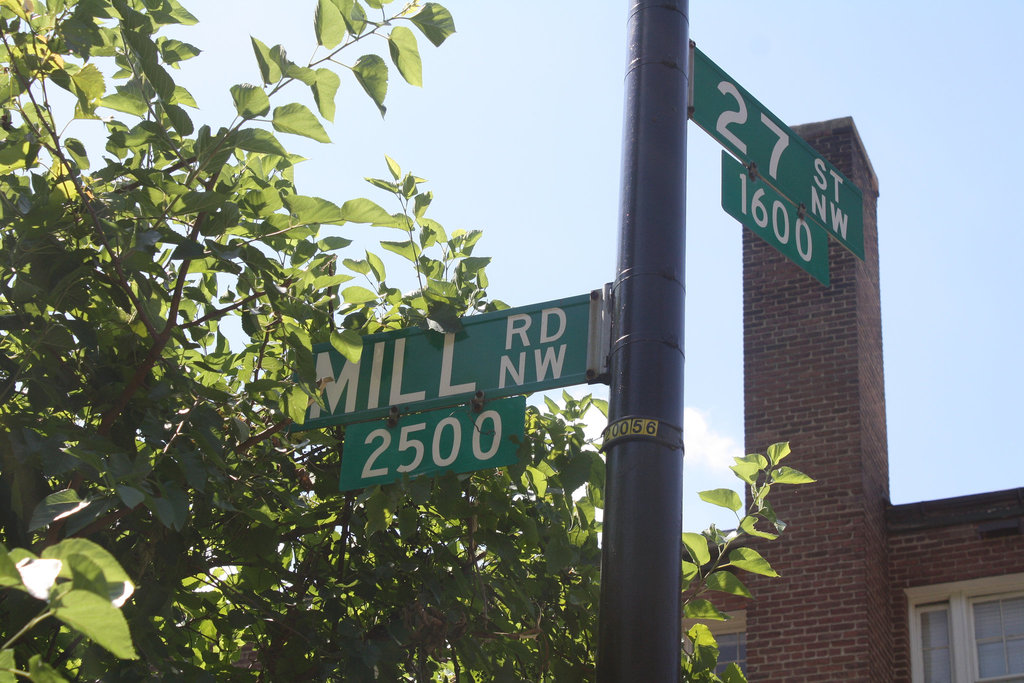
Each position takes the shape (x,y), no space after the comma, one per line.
(640,628)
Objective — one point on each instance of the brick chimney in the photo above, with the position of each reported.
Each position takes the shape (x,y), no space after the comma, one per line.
(813,376)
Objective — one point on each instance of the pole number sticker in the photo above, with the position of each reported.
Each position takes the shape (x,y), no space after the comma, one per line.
(631,426)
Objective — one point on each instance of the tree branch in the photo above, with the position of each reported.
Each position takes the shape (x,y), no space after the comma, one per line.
(266,433)
(220,312)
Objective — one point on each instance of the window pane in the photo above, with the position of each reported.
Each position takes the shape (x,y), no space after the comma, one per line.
(991,659)
(1015,655)
(936,667)
(1013,617)
(935,646)
(728,647)
(935,629)
(987,620)
(732,647)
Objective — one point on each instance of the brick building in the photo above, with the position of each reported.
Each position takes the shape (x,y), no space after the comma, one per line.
(870,591)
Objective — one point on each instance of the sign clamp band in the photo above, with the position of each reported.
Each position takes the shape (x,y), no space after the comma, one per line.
(635,428)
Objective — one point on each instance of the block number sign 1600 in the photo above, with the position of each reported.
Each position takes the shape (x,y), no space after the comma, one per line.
(779,218)
(487,425)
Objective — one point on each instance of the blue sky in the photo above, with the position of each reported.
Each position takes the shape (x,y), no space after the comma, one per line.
(518,129)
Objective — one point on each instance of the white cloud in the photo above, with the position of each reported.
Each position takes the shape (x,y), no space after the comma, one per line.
(706,448)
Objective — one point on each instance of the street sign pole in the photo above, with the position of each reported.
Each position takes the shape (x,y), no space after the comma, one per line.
(640,628)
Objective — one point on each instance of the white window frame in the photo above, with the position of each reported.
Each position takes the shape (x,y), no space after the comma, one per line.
(959,596)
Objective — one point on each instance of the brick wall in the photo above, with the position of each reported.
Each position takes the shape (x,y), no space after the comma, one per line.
(956,539)
(813,376)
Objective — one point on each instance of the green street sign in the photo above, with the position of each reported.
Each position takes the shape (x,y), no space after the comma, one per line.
(516,351)
(784,160)
(774,219)
(457,439)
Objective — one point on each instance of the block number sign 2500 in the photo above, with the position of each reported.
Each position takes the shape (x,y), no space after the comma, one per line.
(457,439)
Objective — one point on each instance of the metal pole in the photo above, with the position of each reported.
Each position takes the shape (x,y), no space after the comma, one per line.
(640,629)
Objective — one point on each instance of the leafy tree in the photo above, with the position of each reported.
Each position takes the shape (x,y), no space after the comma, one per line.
(159,301)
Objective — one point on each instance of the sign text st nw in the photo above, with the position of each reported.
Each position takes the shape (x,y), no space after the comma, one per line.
(503,353)
(784,160)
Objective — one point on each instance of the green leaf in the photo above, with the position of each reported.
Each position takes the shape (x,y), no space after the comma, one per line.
(348,343)
(6,664)
(69,548)
(270,70)
(89,82)
(778,451)
(406,249)
(188,250)
(56,506)
(558,553)
(183,97)
(257,140)
(297,119)
(358,295)
(127,99)
(130,495)
(750,560)
(788,475)
(726,582)
(372,74)
(328,24)
(754,458)
(250,100)
(325,88)
(171,12)
(365,211)
(434,22)
(146,51)
(333,242)
(306,210)
(405,54)
(9,575)
(473,264)
(378,516)
(697,546)
(747,525)
(41,672)
(747,471)
(296,403)
(537,478)
(98,620)
(360,266)
(300,73)
(179,119)
(733,674)
(10,87)
(703,609)
(352,12)
(173,51)
(726,498)
(393,167)
(377,265)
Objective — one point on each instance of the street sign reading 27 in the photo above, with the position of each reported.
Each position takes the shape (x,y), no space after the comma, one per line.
(784,160)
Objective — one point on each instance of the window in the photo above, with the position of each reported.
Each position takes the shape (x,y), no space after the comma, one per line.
(999,637)
(732,647)
(731,637)
(968,632)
